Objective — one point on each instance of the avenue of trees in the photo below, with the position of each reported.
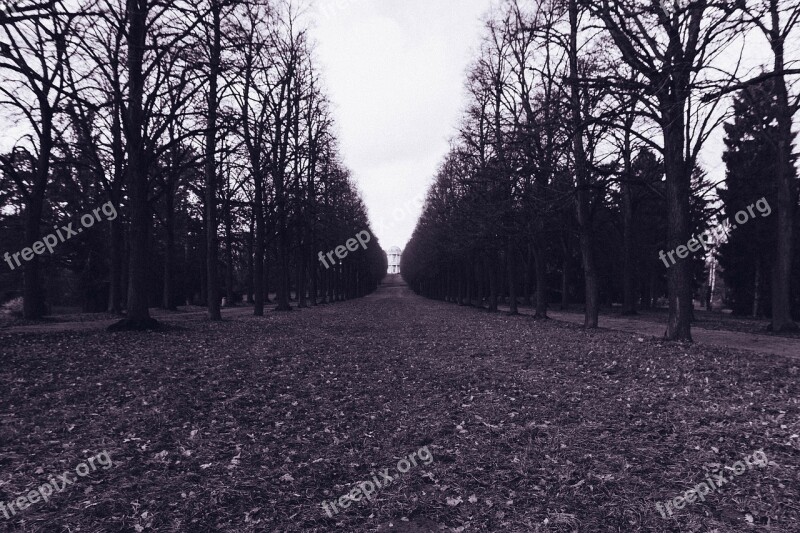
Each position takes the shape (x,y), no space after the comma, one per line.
(204,123)
(578,160)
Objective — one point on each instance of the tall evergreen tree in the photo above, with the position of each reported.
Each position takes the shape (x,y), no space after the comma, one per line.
(751,157)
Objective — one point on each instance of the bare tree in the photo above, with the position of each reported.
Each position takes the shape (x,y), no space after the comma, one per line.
(32,66)
(582,192)
(669,50)
(778,20)
(212,96)
(141,141)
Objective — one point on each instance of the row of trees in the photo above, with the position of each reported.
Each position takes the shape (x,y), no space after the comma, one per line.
(204,123)
(579,155)
(746,258)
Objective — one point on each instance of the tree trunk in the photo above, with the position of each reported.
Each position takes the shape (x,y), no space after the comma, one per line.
(679,281)
(168,296)
(301,277)
(117,246)
(250,262)
(564,274)
(282,130)
(138,304)
(230,297)
(314,280)
(212,247)
(259,287)
(283,284)
(491,266)
(461,283)
(33,305)
(650,294)
(469,277)
(117,252)
(628,266)
(541,279)
(785,196)
(527,270)
(266,278)
(511,257)
(582,191)
(757,290)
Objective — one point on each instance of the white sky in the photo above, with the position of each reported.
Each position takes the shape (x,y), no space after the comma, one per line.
(395,71)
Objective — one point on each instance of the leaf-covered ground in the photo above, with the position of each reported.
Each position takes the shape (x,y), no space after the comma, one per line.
(250,424)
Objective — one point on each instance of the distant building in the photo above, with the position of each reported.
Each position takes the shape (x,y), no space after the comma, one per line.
(393,255)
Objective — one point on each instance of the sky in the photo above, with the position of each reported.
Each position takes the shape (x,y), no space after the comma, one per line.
(394,71)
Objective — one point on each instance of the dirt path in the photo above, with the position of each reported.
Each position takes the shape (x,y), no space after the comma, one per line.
(765,344)
(253,423)
(393,287)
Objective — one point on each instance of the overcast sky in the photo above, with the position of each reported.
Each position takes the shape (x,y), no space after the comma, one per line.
(395,70)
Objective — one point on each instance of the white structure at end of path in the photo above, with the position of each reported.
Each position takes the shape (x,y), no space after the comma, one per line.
(393,255)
